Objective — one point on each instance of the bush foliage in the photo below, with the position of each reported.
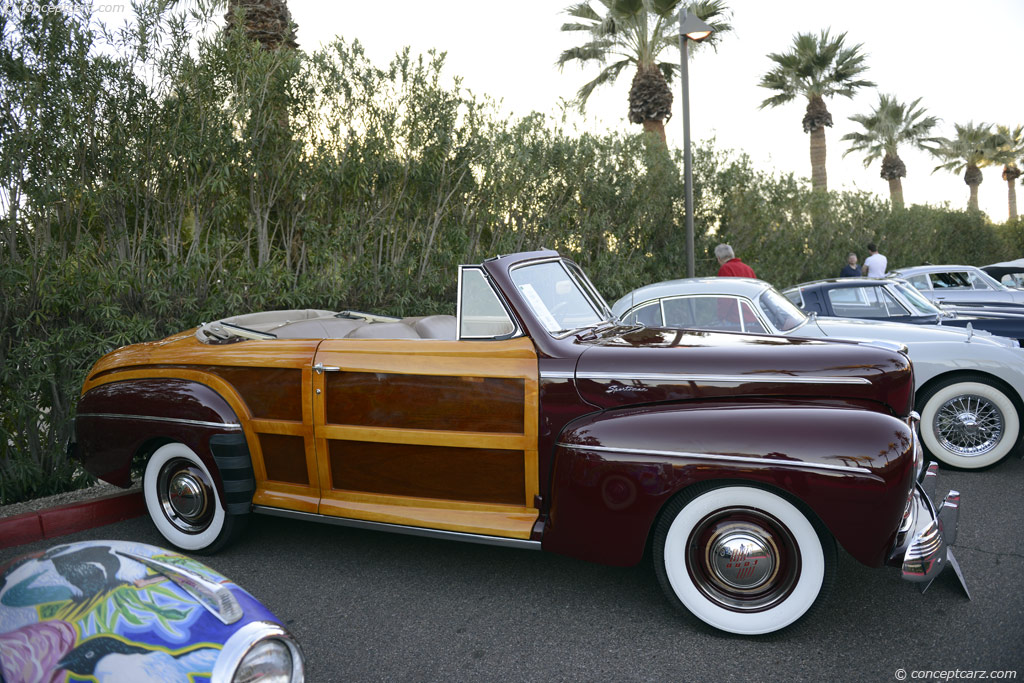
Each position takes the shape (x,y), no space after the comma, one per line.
(166,173)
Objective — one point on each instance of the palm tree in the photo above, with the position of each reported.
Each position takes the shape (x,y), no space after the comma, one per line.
(974,147)
(816,67)
(1011,148)
(266,21)
(635,32)
(891,124)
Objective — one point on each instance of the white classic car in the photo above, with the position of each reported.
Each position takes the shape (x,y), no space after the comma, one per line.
(969,384)
(959,285)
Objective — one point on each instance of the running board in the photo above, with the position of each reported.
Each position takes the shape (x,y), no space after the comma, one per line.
(399,528)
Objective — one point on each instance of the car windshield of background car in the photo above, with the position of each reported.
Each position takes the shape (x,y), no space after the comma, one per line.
(780,311)
(556,298)
(919,304)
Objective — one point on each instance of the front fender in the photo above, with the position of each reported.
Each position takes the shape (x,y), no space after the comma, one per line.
(933,359)
(614,471)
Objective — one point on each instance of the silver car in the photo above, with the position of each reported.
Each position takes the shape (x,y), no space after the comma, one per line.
(959,285)
(969,384)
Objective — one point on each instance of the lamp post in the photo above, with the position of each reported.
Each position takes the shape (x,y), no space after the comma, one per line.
(691,27)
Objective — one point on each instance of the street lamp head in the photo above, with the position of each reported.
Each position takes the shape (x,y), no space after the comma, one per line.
(692,26)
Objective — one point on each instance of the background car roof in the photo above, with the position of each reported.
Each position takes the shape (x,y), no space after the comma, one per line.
(847,282)
(913,270)
(737,286)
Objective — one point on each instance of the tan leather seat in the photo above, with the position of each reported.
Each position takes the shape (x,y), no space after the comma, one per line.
(436,327)
(321,328)
(383,331)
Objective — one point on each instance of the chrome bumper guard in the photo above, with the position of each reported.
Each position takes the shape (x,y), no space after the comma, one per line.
(923,546)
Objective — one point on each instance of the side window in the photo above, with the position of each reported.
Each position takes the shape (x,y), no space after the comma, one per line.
(950,280)
(649,315)
(750,321)
(724,313)
(976,282)
(864,302)
(481,313)
(920,282)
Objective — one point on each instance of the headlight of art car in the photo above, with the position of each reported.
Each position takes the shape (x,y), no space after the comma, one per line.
(260,651)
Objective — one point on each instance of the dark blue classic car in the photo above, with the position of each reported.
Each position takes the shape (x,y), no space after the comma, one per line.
(895,300)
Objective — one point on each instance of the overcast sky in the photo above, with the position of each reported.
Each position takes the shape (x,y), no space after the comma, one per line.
(963,59)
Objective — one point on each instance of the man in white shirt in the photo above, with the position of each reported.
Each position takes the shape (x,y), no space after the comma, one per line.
(875,264)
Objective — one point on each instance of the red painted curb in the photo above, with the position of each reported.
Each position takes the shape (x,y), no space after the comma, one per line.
(67,519)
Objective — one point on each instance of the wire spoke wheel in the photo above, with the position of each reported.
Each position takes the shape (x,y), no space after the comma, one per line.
(969,424)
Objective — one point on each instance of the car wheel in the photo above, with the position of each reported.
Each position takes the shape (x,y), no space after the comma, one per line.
(968,422)
(742,559)
(182,501)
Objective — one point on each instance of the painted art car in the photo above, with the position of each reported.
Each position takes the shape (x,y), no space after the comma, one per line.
(961,285)
(894,300)
(970,384)
(534,419)
(114,611)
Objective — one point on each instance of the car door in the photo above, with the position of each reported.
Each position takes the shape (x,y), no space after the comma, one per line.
(429,433)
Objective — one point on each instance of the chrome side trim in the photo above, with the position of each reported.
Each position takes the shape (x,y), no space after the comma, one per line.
(558,374)
(740,379)
(721,458)
(154,418)
(400,528)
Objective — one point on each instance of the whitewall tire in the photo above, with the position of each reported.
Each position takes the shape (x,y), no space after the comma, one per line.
(182,500)
(968,422)
(742,559)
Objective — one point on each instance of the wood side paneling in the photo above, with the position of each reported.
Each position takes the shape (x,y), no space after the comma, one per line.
(468,474)
(402,401)
(270,393)
(284,458)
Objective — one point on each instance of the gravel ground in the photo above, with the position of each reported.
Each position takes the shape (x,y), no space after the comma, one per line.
(97,490)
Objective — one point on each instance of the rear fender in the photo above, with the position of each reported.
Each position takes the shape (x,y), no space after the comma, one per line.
(614,471)
(120,420)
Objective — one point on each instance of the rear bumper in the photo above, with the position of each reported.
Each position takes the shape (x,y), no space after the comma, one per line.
(923,544)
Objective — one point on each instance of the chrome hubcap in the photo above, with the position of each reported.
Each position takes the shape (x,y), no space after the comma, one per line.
(186,496)
(742,559)
(968,425)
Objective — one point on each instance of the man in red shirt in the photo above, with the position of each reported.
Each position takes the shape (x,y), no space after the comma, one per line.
(730,265)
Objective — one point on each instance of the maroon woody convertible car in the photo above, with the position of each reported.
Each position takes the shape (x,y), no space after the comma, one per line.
(535,419)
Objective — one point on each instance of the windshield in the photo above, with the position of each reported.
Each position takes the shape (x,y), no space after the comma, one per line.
(561,298)
(918,303)
(780,311)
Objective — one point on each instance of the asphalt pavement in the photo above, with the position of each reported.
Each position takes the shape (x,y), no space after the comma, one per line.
(372,606)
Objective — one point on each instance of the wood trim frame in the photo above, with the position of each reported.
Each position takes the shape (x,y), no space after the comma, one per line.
(514,358)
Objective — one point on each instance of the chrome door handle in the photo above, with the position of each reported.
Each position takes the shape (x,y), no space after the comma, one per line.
(321,368)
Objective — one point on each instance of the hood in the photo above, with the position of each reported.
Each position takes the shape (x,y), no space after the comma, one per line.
(657,365)
(903,333)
